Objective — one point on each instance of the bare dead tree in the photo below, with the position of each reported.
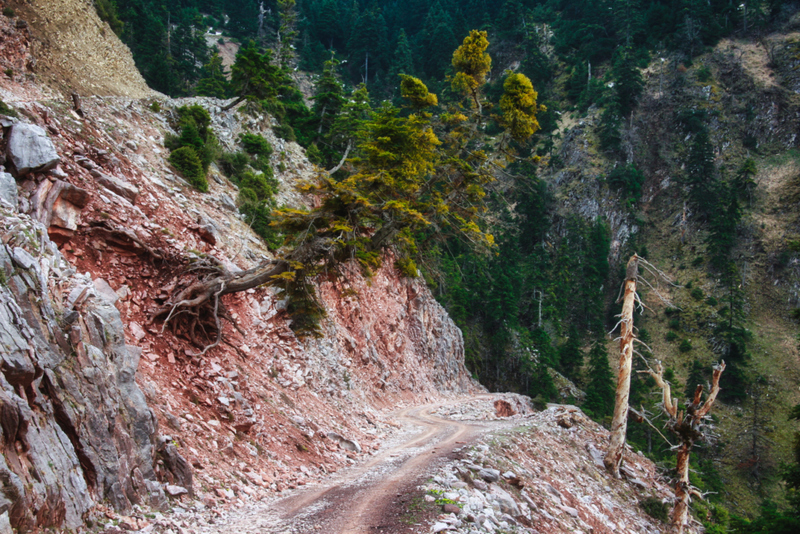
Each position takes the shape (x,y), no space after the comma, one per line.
(619,421)
(687,425)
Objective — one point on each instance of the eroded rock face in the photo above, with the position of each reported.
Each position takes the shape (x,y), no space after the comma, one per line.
(30,149)
(8,188)
(75,426)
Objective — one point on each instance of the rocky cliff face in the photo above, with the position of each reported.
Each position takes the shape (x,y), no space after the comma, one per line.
(75,426)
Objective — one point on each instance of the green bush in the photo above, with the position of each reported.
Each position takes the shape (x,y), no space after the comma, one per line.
(187,163)
(675,323)
(256,145)
(671,336)
(155,107)
(5,110)
(315,155)
(259,184)
(284,131)
(628,180)
(685,346)
(703,74)
(655,508)
(9,12)
(233,164)
(697,294)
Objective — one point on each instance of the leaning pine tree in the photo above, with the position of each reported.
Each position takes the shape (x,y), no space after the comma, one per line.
(411,175)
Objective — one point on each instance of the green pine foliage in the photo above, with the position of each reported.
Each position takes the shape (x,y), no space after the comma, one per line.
(107,11)
(188,164)
(570,355)
(213,81)
(195,147)
(773,520)
(600,386)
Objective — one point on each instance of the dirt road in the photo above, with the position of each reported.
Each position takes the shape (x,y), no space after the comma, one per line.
(363,499)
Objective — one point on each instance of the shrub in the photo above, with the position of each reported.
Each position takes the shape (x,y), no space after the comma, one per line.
(655,508)
(155,107)
(685,346)
(671,336)
(675,323)
(187,163)
(259,184)
(9,12)
(315,155)
(628,180)
(697,294)
(284,131)
(703,74)
(233,164)
(256,145)
(5,110)
(407,266)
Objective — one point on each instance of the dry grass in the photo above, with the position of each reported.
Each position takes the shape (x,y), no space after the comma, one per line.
(754,58)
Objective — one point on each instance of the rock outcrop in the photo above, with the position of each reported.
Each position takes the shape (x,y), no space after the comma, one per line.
(29,149)
(75,427)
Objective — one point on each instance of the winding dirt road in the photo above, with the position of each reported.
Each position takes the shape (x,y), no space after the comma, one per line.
(360,500)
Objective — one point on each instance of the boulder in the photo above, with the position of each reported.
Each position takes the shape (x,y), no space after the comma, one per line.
(127,191)
(489,475)
(30,150)
(346,444)
(177,466)
(8,189)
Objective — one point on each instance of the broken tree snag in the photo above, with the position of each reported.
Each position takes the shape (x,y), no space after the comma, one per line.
(619,422)
(688,427)
(76,103)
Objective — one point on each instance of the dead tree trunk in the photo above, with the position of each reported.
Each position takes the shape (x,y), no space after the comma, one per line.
(687,426)
(619,423)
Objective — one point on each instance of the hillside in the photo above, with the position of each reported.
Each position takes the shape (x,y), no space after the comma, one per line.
(348,392)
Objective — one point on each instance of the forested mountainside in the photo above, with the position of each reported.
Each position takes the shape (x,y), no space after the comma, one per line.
(577,134)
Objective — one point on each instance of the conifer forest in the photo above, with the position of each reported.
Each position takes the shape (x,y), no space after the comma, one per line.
(514,154)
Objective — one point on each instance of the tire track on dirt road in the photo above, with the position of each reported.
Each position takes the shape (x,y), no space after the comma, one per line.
(357,500)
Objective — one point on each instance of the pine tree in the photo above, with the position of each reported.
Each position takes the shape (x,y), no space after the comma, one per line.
(697,376)
(403,61)
(213,81)
(287,32)
(435,41)
(600,383)
(472,64)
(570,356)
(628,82)
(701,173)
(328,97)
(519,107)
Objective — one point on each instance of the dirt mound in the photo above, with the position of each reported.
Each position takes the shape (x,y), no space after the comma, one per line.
(76,51)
